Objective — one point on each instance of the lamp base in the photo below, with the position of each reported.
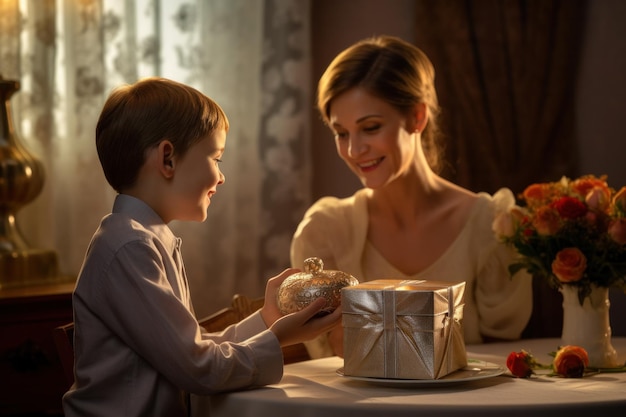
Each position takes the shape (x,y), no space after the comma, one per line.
(28,267)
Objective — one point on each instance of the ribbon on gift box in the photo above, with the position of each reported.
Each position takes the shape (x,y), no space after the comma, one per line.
(393,332)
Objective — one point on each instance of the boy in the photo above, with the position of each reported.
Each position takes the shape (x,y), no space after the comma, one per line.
(139,349)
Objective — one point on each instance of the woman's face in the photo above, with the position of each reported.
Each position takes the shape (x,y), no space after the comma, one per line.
(376,141)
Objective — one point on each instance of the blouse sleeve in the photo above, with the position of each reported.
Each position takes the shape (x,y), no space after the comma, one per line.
(504,303)
(316,235)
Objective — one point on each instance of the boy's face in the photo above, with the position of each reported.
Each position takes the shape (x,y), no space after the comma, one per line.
(197,177)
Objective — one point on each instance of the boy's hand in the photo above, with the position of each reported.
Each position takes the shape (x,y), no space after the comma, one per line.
(303,325)
(270,312)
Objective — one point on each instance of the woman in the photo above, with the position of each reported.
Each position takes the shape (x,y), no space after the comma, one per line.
(378,97)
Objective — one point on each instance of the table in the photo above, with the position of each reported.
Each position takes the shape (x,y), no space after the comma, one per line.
(312,388)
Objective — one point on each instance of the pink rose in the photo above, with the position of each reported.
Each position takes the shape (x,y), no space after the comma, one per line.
(546,221)
(570,361)
(569,265)
(592,218)
(598,198)
(617,230)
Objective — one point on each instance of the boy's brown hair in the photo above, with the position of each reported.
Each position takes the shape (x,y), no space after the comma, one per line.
(139,116)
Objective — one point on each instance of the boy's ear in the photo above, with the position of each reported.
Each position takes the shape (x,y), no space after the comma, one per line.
(166,158)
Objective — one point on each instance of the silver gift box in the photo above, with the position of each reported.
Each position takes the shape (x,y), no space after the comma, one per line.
(404,329)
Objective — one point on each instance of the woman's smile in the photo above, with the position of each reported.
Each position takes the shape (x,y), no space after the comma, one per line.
(370,165)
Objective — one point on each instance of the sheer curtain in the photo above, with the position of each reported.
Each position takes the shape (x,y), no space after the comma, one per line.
(252,57)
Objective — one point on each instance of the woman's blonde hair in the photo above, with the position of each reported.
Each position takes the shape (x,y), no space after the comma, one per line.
(392,70)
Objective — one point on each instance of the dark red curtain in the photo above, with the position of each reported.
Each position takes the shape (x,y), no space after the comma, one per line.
(506,77)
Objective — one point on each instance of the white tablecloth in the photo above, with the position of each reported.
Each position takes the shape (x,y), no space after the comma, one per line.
(313,388)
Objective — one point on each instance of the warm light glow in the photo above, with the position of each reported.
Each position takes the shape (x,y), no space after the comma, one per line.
(8,5)
(9,19)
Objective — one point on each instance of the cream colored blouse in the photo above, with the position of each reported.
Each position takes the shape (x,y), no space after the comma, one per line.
(496,305)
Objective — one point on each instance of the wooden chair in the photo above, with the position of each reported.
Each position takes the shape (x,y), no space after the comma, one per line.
(241,307)
(64,341)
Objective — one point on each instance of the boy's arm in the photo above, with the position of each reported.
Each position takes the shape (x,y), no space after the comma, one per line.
(138,303)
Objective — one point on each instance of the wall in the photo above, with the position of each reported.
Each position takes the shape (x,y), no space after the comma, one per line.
(602,92)
(338,24)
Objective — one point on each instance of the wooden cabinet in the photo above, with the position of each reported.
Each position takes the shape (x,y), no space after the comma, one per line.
(31,377)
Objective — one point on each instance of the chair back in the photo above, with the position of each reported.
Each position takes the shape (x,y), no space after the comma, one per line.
(241,307)
(64,341)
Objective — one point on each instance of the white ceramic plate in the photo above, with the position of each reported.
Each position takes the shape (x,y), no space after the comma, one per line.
(475,370)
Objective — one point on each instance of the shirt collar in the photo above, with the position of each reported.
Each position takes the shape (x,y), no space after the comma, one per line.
(142,213)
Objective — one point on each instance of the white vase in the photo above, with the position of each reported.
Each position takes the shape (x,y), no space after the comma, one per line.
(588,326)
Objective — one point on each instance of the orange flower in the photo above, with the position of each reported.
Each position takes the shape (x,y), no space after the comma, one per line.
(571,232)
(583,185)
(570,361)
(569,265)
(546,221)
(536,195)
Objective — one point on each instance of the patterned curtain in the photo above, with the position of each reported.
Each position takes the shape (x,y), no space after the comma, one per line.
(252,57)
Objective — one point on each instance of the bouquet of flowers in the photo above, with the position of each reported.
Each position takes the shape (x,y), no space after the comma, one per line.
(570,232)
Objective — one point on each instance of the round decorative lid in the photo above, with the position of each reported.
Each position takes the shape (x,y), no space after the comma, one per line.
(301,288)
